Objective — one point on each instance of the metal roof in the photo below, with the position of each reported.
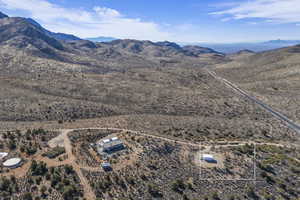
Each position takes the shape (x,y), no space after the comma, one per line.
(112,143)
(106,164)
(207,156)
(106,140)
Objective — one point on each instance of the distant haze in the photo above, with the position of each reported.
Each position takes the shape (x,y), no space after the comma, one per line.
(256,47)
(101,39)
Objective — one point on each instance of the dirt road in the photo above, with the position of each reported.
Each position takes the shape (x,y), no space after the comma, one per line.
(64,140)
(88,191)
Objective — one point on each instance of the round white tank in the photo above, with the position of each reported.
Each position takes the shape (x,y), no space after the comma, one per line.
(12,163)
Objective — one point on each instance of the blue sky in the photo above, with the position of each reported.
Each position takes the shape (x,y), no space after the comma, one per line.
(219,21)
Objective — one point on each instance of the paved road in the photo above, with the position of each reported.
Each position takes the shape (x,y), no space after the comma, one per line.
(278,115)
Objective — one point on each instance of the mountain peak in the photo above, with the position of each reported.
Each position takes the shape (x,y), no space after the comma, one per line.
(169,44)
(197,50)
(2,15)
(245,51)
(58,36)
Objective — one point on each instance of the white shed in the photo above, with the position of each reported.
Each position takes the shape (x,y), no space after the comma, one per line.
(106,141)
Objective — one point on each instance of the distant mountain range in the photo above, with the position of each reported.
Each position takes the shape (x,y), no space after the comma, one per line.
(101,39)
(26,34)
(192,48)
(283,42)
(256,47)
(226,48)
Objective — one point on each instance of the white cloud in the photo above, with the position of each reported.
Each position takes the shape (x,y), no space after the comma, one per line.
(106,12)
(45,11)
(100,21)
(279,11)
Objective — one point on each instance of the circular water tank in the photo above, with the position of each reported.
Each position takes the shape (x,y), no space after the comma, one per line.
(13,162)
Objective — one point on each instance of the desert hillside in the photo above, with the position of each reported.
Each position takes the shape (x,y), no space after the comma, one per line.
(272,76)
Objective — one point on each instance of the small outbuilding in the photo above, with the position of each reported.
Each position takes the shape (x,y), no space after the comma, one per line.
(208,158)
(13,163)
(105,141)
(106,166)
